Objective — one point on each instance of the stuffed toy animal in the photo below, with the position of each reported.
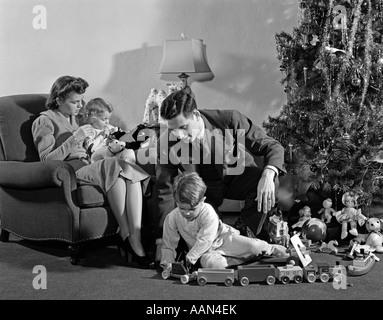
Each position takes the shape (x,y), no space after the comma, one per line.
(349,215)
(161,95)
(174,87)
(153,105)
(115,146)
(305,214)
(374,238)
(326,212)
(112,148)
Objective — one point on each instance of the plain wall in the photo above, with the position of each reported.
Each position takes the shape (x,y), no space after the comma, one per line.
(116,45)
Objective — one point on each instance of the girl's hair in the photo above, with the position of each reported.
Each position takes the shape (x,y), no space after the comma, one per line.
(62,87)
(93,108)
(189,188)
(179,102)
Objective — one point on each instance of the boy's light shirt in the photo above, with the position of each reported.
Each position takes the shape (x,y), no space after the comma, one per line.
(202,234)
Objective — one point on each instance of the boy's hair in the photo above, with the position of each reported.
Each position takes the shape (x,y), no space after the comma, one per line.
(179,102)
(189,188)
(93,108)
(64,86)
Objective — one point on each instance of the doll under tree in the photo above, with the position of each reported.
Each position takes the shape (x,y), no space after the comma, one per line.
(332,124)
(349,216)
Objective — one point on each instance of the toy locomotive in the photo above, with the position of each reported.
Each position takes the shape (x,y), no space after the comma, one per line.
(179,271)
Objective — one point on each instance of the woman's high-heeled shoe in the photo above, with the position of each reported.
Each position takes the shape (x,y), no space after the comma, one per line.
(143,262)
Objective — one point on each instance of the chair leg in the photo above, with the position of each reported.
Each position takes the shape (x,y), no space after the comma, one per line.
(76,253)
(4,235)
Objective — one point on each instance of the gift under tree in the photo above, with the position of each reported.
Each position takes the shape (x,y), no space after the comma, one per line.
(332,124)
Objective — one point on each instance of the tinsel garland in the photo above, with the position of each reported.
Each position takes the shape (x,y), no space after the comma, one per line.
(367,57)
(325,43)
(350,47)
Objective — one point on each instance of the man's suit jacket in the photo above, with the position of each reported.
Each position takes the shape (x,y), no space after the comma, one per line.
(230,131)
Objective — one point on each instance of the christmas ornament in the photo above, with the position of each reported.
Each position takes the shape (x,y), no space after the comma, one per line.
(380,61)
(314,168)
(318,64)
(304,117)
(332,50)
(355,82)
(346,137)
(379,157)
(305,74)
(291,152)
(314,40)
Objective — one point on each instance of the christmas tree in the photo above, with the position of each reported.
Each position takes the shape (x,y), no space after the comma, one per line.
(332,124)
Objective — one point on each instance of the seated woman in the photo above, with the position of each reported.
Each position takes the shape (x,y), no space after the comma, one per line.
(57,136)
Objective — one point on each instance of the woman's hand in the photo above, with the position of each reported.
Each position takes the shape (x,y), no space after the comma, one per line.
(83,132)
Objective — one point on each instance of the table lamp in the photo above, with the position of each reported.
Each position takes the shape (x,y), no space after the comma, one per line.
(182,57)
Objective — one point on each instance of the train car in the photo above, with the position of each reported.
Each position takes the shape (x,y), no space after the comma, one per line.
(179,271)
(256,273)
(321,271)
(206,275)
(288,273)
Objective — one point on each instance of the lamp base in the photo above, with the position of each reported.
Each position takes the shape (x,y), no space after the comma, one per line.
(184,83)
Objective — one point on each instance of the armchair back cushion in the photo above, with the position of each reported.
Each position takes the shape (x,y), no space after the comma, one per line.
(16,116)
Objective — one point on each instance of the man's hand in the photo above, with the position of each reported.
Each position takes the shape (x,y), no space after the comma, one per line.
(266,191)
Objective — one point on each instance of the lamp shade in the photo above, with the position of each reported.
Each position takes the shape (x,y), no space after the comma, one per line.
(184,56)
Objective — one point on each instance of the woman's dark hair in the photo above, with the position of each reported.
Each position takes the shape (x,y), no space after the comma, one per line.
(179,102)
(62,87)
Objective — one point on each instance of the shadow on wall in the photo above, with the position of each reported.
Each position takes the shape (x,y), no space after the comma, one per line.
(252,83)
(133,75)
(130,81)
(241,49)
(240,40)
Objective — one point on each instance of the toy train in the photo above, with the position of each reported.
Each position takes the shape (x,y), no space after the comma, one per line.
(246,274)
(179,271)
(284,274)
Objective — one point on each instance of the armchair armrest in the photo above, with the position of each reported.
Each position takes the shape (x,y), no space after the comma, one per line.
(30,175)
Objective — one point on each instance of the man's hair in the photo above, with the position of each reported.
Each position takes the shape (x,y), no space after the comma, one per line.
(179,102)
(62,87)
(188,187)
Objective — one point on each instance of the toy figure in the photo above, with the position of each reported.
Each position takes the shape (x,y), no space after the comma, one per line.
(349,215)
(330,246)
(278,230)
(326,212)
(305,214)
(173,87)
(374,238)
(153,105)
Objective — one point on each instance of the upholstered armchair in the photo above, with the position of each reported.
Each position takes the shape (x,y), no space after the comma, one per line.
(41,200)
